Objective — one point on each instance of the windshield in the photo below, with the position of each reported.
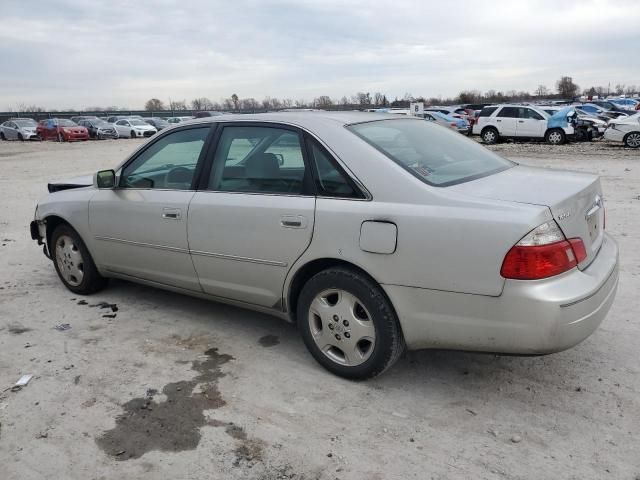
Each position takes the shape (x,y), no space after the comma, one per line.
(25,123)
(134,121)
(159,121)
(99,123)
(435,155)
(65,123)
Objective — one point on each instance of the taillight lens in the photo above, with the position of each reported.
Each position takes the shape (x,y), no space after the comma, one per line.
(542,253)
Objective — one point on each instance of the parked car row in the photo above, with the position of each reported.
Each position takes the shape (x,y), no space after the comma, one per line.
(556,124)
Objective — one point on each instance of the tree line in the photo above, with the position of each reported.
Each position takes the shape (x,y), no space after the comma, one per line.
(565,88)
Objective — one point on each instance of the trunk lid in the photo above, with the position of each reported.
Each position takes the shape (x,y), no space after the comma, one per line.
(575,199)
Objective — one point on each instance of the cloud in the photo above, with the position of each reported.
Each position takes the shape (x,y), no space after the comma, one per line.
(71,53)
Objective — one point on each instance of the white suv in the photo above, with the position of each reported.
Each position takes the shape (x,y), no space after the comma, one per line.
(518,121)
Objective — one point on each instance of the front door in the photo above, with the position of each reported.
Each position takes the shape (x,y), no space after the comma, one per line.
(530,123)
(140,227)
(255,215)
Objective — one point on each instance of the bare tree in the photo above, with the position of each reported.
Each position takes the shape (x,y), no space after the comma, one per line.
(202,103)
(154,105)
(177,105)
(378,98)
(566,88)
(235,100)
(323,101)
(542,91)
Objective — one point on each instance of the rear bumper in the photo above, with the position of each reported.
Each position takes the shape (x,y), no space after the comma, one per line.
(530,317)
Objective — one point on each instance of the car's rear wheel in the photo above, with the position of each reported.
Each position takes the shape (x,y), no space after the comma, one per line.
(555,137)
(348,324)
(73,262)
(490,136)
(632,140)
(2,137)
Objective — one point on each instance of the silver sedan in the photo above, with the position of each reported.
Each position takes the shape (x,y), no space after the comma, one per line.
(373,233)
(19,129)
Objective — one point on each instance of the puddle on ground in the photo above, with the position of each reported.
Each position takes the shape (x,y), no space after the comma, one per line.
(173,425)
(269,341)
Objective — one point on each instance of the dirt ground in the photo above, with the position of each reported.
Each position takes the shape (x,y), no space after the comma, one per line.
(147,384)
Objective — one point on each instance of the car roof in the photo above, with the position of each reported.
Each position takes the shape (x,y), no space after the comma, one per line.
(304,119)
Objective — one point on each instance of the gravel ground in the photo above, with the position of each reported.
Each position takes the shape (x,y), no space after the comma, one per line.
(150,384)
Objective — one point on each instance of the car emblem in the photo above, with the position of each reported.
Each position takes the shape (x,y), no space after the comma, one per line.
(564,215)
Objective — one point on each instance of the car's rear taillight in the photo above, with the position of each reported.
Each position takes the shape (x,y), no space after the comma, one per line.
(542,253)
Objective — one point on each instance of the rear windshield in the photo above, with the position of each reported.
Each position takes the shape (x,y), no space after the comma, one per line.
(436,155)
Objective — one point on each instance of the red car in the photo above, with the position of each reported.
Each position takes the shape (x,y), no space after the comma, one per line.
(62,130)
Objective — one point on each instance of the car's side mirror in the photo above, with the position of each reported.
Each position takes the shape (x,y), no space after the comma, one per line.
(106,179)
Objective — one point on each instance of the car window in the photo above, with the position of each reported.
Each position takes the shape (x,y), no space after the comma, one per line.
(532,114)
(121,122)
(330,180)
(487,111)
(258,159)
(437,156)
(168,163)
(508,112)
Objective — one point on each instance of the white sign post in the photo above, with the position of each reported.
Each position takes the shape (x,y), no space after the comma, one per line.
(417,109)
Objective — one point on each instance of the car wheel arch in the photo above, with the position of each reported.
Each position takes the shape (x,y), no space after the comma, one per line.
(305,272)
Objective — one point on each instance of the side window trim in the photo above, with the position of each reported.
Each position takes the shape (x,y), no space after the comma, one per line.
(199,165)
(308,181)
(355,185)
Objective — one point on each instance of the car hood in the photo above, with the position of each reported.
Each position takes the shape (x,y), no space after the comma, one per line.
(69,183)
(575,199)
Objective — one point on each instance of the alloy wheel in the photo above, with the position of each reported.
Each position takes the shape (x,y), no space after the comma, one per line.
(69,260)
(342,327)
(555,138)
(633,140)
(489,136)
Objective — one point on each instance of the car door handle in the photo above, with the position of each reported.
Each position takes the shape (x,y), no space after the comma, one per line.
(171,213)
(293,221)
(498,120)
(520,121)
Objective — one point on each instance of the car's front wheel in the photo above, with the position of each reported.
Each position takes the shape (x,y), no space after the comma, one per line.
(555,137)
(2,137)
(20,137)
(632,140)
(60,137)
(490,136)
(348,324)
(73,262)
(133,134)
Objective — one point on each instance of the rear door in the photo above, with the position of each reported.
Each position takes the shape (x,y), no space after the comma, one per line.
(140,227)
(530,123)
(254,214)
(506,121)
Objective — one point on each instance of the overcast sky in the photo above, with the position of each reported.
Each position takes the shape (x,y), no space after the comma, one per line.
(82,53)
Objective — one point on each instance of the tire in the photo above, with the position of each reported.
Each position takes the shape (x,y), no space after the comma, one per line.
(20,137)
(2,137)
(555,136)
(632,140)
(73,263)
(60,137)
(133,134)
(365,338)
(490,136)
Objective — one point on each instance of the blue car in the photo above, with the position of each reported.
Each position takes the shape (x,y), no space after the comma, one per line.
(459,124)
